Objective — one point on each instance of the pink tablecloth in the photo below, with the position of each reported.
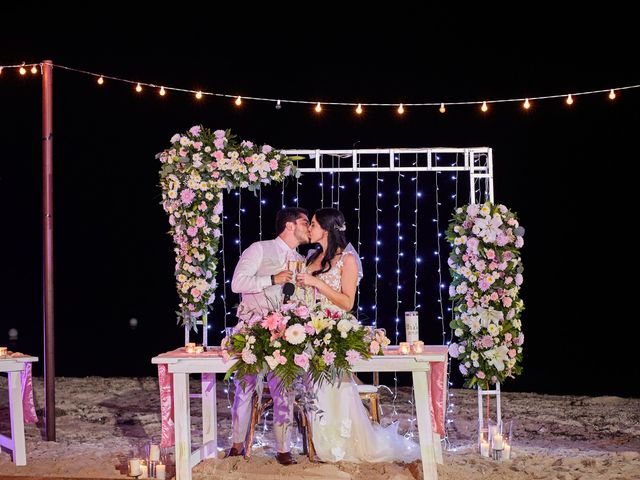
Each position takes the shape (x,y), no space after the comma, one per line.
(437,386)
(29,410)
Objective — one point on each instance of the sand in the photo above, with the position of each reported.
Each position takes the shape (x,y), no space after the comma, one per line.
(101,422)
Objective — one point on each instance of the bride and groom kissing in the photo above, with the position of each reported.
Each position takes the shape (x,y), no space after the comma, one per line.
(332,271)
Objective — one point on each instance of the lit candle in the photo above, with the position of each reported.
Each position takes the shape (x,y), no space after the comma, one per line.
(506,451)
(154,453)
(404,348)
(190,348)
(3,351)
(161,471)
(418,346)
(484,448)
(198,349)
(497,442)
(144,471)
(134,467)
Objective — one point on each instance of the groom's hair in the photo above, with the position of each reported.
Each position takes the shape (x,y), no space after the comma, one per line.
(288,214)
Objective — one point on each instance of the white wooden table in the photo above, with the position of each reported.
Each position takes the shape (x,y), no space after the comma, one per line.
(13,367)
(181,367)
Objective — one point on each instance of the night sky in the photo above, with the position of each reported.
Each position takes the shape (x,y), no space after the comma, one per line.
(567,172)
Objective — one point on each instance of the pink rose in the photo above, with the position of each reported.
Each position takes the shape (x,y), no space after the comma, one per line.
(195,130)
(519,279)
(512,353)
(302,361)
(195,292)
(202,207)
(200,222)
(266,149)
(192,231)
(480,375)
(491,254)
(506,301)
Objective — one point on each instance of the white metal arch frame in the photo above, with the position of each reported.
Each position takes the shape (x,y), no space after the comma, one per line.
(478,161)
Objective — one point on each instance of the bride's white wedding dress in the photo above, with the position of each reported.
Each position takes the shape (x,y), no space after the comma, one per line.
(343,430)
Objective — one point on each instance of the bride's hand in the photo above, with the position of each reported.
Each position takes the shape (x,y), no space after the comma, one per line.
(306,280)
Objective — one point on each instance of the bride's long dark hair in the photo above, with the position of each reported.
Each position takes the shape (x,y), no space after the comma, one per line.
(332,221)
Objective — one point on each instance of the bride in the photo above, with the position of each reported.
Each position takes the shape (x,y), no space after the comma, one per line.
(343,431)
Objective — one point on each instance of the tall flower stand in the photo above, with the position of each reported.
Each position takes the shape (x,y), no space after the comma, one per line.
(205,330)
(488,428)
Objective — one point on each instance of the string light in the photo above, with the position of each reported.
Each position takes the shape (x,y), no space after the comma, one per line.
(278,105)
(34,70)
(318,108)
(239,101)
(569,100)
(484,107)
(101,80)
(527,105)
(198,94)
(401,109)
(359,106)
(162,92)
(23,71)
(612,94)
(138,88)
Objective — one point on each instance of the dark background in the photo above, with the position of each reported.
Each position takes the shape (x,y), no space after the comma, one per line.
(567,172)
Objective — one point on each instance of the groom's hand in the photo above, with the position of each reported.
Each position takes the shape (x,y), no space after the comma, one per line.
(282,277)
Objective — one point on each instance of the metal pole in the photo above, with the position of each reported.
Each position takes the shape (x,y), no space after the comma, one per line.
(47,227)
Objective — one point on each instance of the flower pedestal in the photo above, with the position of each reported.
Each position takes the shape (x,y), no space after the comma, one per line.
(205,330)
(488,428)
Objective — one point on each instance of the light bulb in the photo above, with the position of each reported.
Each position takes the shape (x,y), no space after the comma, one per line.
(318,107)
(162,92)
(527,105)
(612,94)
(442,109)
(34,70)
(484,107)
(138,88)
(22,71)
(278,105)
(100,80)
(239,101)
(401,109)
(198,94)
(569,100)
(359,109)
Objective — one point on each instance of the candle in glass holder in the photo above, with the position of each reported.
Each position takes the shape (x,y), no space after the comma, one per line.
(404,348)
(161,471)
(497,442)
(418,346)
(134,467)
(506,451)
(190,347)
(154,453)
(484,448)
(3,351)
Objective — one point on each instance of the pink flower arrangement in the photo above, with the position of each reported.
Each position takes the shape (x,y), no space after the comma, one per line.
(486,271)
(295,340)
(193,172)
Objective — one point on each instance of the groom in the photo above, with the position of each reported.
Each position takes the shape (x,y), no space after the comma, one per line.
(259,277)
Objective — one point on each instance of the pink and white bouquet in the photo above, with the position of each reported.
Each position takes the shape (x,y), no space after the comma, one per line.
(486,271)
(295,340)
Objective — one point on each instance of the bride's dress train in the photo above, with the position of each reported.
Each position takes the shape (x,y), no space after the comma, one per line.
(343,431)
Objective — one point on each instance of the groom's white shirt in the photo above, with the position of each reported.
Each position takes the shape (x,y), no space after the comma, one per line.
(252,276)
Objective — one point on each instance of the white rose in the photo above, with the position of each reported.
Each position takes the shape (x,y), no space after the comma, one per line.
(344,326)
